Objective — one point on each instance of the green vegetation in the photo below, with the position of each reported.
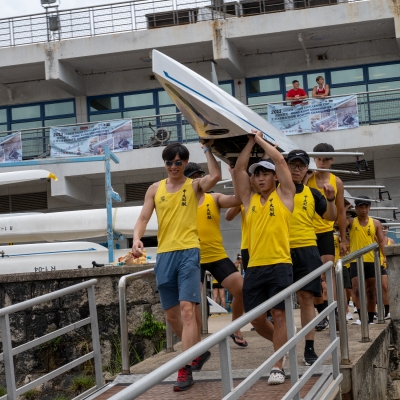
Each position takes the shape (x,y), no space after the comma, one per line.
(31,394)
(153,330)
(3,391)
(82,383)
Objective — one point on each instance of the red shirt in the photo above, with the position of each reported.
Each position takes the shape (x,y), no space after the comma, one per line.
(293,93)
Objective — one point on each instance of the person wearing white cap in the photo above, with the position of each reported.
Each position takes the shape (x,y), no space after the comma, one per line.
(267,215)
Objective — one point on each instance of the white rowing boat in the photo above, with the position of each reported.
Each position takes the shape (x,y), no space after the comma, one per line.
(25,176)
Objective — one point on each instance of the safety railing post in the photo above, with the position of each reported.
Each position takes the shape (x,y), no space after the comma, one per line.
(290,328)
(123,326)
(341,306)
(204,307)
(170,338)
(8,357)
(363,300)
(378,282)
(225,366)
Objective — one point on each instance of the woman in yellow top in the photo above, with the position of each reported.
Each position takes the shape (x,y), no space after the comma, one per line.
(267,217)
(364,231)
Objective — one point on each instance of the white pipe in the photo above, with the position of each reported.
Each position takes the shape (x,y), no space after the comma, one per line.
(300,37)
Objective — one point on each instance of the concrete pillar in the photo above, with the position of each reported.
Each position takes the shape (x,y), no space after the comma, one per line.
(240,89)
(81,109)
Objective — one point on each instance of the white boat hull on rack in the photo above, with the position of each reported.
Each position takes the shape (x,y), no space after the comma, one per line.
(7,178)
(50,257)
(70,225)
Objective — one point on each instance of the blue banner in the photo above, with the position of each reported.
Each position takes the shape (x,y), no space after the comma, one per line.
(314,115)
(90,139)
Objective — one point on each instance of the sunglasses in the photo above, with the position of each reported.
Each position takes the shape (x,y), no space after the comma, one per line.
(177,163)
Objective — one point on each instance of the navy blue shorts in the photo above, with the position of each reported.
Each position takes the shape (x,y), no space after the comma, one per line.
(178,277)
(326,243)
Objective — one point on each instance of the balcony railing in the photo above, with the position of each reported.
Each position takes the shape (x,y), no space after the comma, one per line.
(378,107)
(136,15)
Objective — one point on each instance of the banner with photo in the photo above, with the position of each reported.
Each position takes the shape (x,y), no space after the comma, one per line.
(314,115)
(11,148)
(90,139)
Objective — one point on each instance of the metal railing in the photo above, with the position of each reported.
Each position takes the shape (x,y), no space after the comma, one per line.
(9,352)
(358,256)
(136,15)
(222,337)
(123,313)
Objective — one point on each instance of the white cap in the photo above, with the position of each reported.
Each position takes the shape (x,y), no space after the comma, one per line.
(262,163)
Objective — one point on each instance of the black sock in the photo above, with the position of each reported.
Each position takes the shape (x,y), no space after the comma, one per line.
(386,310)
(325,304)
(371,316)
(320,308)
(309,343)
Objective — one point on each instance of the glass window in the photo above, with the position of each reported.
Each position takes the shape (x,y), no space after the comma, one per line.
(140,113)
(63,108)
(168,110)
(163,98)
(264,85)
(227,87)
(60,121)
(347,75)
(348,90)
(289,79)
(138,100)
(3,115)
(383,86)
(264,99)
(384,71)
(26,112)
(104,103)
(26,125)
(311,80)
(3,127)
(105,117)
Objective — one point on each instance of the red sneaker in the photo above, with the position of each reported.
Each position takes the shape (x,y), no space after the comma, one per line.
(197,363)
(185,379)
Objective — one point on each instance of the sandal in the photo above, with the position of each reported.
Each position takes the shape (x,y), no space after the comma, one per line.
(234,337)
(276,376)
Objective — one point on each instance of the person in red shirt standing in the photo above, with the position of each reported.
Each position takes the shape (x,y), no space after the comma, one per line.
(297,93)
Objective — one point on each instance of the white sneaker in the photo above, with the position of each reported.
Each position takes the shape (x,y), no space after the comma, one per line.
(276,376)
(355,310)
(351,304)
(349,316)
(375,316)
(371,323)
(356,322)
(387,316)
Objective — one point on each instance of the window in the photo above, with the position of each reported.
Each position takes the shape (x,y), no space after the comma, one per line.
(104,103)
(25,112)
(346,76)
(227,86)
(139,100)
(384,72)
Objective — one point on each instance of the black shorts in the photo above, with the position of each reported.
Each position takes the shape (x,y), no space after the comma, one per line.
(369,270)
(383,270)
(219,269)
(262,283)
(217,286)
(325,243)
(346,278)
(245,258)
(306,260)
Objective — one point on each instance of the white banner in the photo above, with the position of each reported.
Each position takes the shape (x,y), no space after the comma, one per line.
(90,139)
(11,148)
(314,115)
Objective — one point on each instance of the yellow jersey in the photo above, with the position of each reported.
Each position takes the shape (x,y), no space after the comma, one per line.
(177,218)
(362,236)
(208,219)
(321,225)
(268,231)
(245,234)
(302,232)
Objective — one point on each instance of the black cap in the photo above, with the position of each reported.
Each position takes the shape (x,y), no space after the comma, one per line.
(191,168)
(299,154)
(360,201)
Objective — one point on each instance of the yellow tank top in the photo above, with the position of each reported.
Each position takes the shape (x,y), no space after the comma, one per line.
(361,236)
(208,218)
(381,255)
(302,232)
(268,231)
(177,218)
(320,224)
(245,233)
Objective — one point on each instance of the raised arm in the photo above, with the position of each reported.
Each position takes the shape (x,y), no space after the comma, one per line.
(144,217)
(232,212)
(209,181)
(341,215)
(286,189)
(331,212)
(225,201)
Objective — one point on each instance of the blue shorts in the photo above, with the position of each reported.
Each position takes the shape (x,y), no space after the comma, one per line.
(178,277)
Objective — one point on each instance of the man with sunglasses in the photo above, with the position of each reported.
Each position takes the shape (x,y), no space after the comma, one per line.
(324,228)
(213,257)
(303,241)
(177,269)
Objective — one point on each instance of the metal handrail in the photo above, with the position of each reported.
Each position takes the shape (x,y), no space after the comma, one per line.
(9,351)
(357,255)
(222,337)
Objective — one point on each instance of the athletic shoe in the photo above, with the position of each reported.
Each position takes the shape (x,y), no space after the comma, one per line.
(371,323)
(197,363)
(349,316)
(309,356)
(185,379)
(375,316)
(356,322)
(321,326)
(351,304)
(355,311)
(387,316)
(276,376)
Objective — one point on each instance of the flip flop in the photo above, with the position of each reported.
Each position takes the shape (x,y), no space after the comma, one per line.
(234,337)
